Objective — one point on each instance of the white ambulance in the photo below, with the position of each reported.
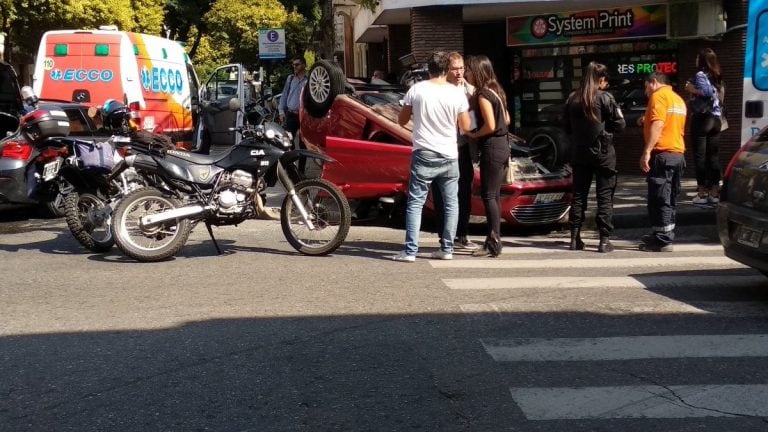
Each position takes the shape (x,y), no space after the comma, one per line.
(151,74)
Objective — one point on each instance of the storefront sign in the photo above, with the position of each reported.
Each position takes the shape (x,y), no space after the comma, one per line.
(667,68)
(596,25)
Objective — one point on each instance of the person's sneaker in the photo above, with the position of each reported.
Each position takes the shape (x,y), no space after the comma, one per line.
(655,247)
(700,200)
(441,255)
(648,239)
(713,199)
(403,257)
(464,243)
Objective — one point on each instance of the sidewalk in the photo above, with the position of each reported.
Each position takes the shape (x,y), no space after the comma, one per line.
(629,209)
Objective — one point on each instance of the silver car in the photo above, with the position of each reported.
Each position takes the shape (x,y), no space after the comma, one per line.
(742,215)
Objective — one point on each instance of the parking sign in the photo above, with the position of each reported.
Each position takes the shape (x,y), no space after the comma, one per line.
(272,43)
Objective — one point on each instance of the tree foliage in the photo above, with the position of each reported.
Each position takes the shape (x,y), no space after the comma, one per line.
(25,30)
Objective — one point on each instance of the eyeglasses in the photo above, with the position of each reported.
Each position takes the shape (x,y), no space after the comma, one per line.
(297,64)
(461,68)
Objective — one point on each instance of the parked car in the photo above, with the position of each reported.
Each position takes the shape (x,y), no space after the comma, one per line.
(742,215)
(17,155)
(358,128)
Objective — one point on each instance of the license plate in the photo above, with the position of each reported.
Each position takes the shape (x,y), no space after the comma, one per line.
(549,197)
(749,237)
(51,169)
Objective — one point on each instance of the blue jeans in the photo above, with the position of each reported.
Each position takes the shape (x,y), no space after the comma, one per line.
(428,167)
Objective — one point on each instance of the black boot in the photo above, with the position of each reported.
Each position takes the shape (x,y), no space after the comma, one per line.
(576,242)
(605,245)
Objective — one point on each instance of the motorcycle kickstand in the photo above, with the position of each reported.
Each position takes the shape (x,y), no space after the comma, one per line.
(210,232)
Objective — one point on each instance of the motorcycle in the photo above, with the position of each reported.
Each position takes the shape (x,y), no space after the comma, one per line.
(96,189)
(154,223)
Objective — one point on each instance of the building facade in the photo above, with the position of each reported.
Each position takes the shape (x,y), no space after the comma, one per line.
(540,48)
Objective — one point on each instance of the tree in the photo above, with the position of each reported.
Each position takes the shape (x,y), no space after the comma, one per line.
(25,30)
(240,20)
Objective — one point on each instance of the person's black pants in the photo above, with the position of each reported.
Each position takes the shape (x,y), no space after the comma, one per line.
(494,157)
(663,187)
(605,181)
(466,179)
(705,137)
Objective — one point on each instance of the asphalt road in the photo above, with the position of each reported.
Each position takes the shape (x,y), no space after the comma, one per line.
(264,339)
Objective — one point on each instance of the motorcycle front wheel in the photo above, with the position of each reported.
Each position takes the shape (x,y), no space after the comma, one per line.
(89,220)
(148,243)
(328,211)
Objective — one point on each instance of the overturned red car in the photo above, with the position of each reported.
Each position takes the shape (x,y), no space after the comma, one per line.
(357,126)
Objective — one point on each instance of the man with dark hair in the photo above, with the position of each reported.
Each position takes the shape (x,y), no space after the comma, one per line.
(291,97)
(662,159)
(438,108)
(466,169)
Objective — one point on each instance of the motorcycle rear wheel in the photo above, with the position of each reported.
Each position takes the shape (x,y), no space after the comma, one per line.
(148,243)
(329,212)
(88,222)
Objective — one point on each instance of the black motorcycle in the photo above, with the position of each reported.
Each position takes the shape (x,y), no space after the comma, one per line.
(153,223)
(95,188)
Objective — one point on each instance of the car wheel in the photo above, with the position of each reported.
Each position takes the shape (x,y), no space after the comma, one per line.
(324,82)
(550,147)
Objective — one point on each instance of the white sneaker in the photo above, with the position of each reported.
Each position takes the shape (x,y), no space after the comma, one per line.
(441,255)
(697,200)
(403,257)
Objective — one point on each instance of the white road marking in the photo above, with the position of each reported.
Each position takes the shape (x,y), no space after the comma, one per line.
(642,401)
(656,307)
(665,260)
(627,347)
(613,282)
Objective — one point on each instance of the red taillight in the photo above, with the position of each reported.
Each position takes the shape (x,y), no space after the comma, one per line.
(16,150)
(135,120)
(47,154)
(729,168)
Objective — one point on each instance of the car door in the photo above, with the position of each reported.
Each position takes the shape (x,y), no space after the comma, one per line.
(216,119)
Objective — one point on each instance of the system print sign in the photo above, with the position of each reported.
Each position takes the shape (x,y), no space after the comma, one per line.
(586,26)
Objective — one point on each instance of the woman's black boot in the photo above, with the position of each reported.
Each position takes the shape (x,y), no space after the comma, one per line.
(576,243)
(605,245)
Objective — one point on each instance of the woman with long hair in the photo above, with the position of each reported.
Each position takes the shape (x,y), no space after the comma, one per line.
(491,135)
(591,118)
(706,93)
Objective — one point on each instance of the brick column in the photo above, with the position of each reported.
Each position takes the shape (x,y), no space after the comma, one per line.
(436,28)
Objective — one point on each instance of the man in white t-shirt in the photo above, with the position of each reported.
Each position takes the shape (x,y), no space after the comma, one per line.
(438,108)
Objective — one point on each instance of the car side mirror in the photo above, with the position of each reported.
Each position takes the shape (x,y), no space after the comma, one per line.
(234,104)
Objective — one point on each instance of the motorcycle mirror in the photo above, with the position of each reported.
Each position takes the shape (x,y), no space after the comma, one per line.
(234,104)
(29,95)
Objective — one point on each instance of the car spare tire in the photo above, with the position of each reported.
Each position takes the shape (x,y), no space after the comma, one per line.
(324,82)
(550,146)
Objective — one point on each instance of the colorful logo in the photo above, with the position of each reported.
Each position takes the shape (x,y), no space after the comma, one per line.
(82,75)
(162,80)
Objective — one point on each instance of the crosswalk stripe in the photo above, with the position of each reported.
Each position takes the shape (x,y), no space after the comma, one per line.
(614,282)
(656,307)
(642,401)
(668,261)
(626,347)
(563,247)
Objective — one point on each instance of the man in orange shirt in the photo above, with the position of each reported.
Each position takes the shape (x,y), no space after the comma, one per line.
(662,159)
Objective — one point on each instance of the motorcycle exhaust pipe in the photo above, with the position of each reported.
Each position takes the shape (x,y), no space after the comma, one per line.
(181,212)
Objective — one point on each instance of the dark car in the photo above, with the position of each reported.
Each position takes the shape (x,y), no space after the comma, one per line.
(11,105)
(742,215)
(357,126)
(17,155)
